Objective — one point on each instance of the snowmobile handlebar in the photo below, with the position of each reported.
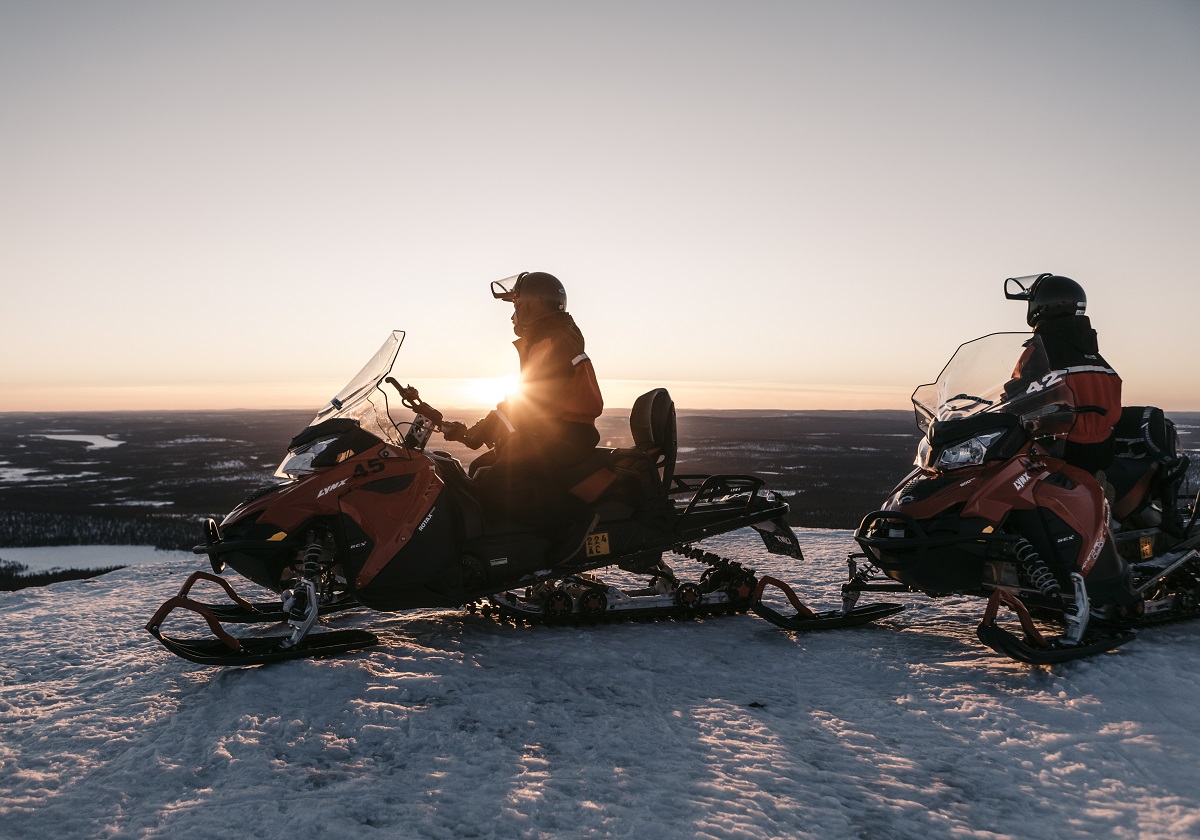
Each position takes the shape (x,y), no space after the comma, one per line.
(412,401)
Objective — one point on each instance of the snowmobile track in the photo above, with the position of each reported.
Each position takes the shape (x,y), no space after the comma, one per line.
(724,579)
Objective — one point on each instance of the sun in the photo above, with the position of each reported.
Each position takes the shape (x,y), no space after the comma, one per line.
(491,390)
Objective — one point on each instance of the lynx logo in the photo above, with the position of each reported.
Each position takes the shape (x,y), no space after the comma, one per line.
(1021,481)
(332,487)
(425,521)
(597,544)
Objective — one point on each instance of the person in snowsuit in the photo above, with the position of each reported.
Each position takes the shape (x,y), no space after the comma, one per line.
(549,427)
(1056,307)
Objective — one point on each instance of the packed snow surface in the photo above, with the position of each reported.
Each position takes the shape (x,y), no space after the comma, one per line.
(459,726)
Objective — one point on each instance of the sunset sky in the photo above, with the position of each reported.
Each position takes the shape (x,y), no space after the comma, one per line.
(758,204)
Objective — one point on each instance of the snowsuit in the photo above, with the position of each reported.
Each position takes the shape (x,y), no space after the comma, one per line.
(1072,349)
(546,430)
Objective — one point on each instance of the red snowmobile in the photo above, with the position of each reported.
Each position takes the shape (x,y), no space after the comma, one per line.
(992,510)
(366,516)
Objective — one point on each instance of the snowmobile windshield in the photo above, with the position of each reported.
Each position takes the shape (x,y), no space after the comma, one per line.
(362,404)
(1002,372)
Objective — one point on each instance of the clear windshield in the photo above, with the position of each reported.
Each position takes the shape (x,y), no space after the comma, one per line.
(364,399)
(1002,372)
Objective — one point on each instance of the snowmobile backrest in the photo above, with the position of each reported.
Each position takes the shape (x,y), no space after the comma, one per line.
(1147,464)
(652,422)
(1145,432)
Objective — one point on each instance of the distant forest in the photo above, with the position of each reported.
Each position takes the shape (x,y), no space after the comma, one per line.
(32,529)
(14,576)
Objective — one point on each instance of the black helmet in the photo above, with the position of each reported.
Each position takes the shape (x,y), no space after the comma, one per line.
(532,284)
(1049,296)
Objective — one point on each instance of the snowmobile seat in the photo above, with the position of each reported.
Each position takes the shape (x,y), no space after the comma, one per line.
(1146,468)
(647,469)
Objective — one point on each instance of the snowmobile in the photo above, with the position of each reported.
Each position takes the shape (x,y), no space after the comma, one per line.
(366,516)
(992,510)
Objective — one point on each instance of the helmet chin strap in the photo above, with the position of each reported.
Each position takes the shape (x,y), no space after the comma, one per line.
(522,325)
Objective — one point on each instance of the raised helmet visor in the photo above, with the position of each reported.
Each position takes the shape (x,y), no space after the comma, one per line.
(1020,288)
(507,288)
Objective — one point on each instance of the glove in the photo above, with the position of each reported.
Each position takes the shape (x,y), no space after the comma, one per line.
(474,437)
(452,430)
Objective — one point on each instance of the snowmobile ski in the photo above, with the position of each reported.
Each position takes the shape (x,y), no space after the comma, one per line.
(227,649)
(1055,651)
(267,649)
(257,612)
(806,619)
(1035,649)
(270,612)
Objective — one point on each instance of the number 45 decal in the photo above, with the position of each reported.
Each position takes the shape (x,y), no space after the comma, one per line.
(373,465)
(1051,379)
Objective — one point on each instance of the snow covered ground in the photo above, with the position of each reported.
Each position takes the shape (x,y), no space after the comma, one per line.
(458,726)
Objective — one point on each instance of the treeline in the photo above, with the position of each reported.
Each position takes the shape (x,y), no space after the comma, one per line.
(833,507)
(14,576)
(27,529)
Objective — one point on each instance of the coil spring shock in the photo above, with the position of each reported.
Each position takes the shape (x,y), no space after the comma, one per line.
(1038,572)
(310,565)
(299,600)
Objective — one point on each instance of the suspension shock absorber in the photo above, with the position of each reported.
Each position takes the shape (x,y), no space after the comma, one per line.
(299,599)
(1036,570)
(310,564)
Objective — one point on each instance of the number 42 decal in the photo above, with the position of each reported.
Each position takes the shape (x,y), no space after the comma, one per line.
(1049,380)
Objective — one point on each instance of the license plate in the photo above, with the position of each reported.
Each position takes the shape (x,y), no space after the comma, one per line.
(597,544)
(1146,544)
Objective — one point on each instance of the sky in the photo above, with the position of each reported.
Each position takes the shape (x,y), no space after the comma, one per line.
(772,205)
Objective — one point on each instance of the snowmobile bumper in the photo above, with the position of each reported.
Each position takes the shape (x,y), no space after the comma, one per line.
(258,559)
(950,560)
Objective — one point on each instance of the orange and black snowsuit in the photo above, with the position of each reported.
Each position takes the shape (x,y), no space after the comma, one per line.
(558,383)
(1072,349)
(550,424)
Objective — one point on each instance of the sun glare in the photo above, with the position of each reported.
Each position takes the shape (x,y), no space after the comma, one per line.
(491,390)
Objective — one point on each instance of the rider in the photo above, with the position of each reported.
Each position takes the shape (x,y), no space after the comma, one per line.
(550,426)
(1056,313)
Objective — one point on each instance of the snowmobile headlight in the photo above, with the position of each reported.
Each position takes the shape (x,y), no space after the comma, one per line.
(969,453)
